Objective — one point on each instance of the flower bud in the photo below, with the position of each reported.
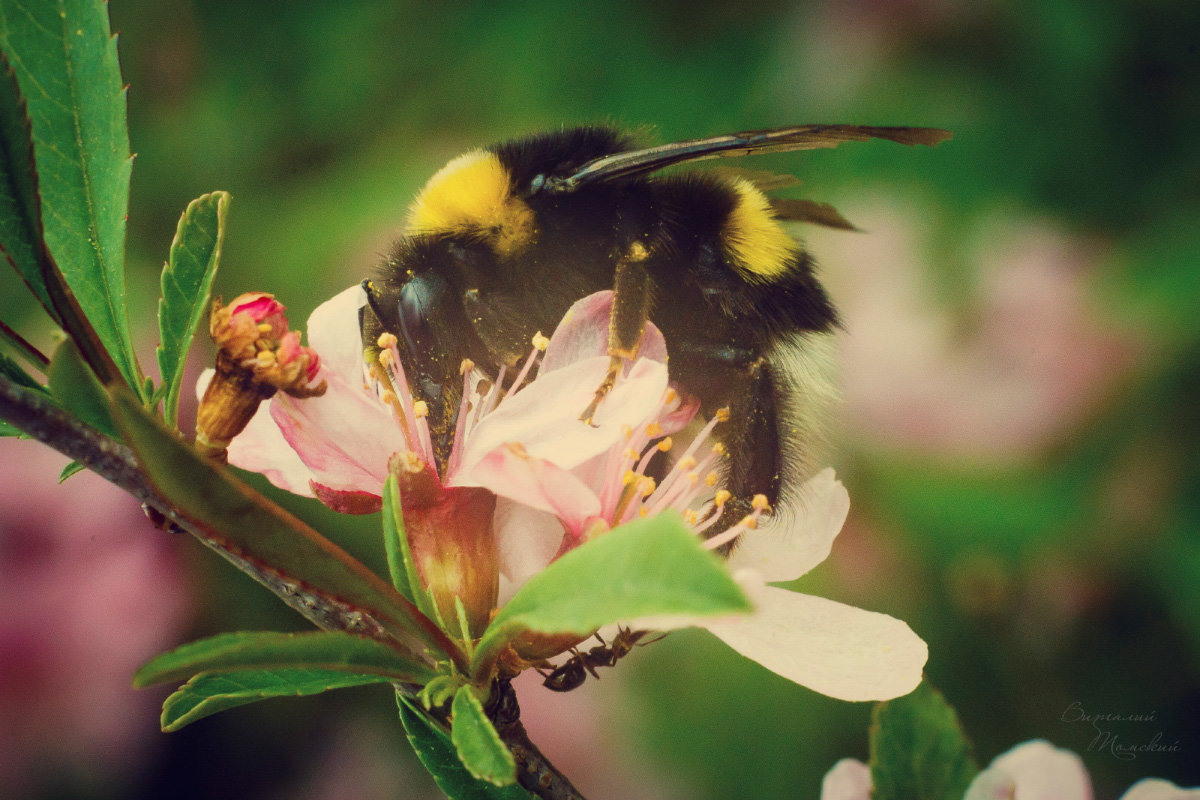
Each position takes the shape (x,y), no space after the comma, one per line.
(257,356)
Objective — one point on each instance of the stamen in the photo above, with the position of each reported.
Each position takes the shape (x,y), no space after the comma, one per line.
(665,445)
(464,411)
(520,379)
(264,327)
(540,342)
(387,341)
(420,409)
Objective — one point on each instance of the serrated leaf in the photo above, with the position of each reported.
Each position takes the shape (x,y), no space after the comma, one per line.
(70,469)
(76,389)
(241,520)
(20,209)
(208,693)
(186,287)
(65,60)
(435,750)
(477,742)
(918,749)
(651,567)
(323,650)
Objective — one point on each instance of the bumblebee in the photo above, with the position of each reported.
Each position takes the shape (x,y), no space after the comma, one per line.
(502,240)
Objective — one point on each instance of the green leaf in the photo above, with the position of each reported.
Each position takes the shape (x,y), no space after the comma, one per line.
(9,430)
(65,60)
(208,693)
(76,389)
(477,742)
(13,370)
(186,286)
(325,650)
(400,562)
(238,519)
(654,566)
(433,746)
(70,469)
(20,209)
(918,749)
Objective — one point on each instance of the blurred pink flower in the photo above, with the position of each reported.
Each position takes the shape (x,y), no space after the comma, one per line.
(1032,359)
(88,591)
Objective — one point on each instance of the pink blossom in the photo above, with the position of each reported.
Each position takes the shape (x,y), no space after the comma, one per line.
(556,483)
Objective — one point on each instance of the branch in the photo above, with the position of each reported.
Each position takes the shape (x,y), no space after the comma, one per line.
(534,771)
(37,415)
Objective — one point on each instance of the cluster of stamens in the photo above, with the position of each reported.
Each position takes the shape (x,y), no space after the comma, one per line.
(684,487)
(691,485)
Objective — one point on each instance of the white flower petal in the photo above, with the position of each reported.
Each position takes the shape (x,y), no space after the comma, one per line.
(1158,789)
(534,482)
(849,779)
(544,416)
(333,331)
(344,436)
(583,333)
(526,540)
(787,546)
(835,649)
(262,448)
(1035,770)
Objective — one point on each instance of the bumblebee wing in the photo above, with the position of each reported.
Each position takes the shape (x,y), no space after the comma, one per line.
(810,211)
(803,137)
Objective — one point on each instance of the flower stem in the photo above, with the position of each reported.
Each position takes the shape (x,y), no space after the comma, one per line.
(535,773)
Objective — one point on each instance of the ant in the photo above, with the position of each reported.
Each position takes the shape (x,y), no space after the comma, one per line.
(574,671)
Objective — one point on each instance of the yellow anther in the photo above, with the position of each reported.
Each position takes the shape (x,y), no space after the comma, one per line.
(264,327)
(723,414)
(465,366)
(630,454)
(385,358)
(629,477)
(387,341)
(711,479)
(692,477)
(389,397)
(759,503)
(654,430)
(723,496)
(749,522)
(719,449)
(627,431)
(671,396)
(265,359)
(648,486)
(420,409)
(411,462)
(643,512)
(665,445)
(690,516)
(540,342)
(686,463)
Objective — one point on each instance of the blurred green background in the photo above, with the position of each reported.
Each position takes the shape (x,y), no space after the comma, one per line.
(1021,354)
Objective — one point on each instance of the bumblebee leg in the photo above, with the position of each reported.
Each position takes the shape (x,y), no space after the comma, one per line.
(632,299)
